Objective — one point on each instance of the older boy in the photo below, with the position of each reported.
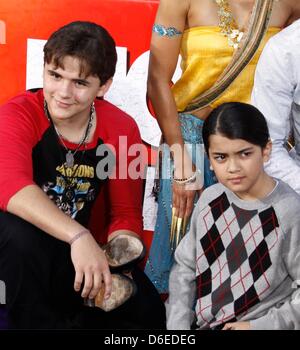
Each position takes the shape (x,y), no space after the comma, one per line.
(49,261)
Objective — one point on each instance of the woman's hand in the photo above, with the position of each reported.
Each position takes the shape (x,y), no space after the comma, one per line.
(183,200)
(182,206)
(91,267)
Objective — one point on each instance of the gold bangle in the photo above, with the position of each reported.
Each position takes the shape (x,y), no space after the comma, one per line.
(185,180)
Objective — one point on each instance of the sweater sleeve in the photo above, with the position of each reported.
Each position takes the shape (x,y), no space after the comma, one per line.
(17,138)
(287,315)
(182,283)
(275,93)
(125,190)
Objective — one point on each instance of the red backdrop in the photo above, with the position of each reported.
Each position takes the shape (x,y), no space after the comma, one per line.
(128,21)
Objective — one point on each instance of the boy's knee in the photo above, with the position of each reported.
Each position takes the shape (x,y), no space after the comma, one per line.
(17,234)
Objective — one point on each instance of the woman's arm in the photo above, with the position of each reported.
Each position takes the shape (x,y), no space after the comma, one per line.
(164,53)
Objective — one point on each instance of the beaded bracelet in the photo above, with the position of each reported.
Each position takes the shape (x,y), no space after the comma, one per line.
(187,180)
(78,235)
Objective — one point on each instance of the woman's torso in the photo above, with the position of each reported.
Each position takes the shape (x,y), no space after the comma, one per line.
(205,51)
(205,13)
(205,54)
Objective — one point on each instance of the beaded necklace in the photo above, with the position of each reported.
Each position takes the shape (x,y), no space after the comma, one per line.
(69,168)
(228,25)
(70,155)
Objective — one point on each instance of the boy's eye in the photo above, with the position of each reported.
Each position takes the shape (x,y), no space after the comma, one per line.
(81,83)
(246,154)
(219,157)
(54,75)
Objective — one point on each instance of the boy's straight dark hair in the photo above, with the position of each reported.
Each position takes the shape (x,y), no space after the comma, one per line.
(236,120)
(88,42)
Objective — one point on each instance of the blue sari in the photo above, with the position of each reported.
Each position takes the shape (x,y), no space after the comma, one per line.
(161,257)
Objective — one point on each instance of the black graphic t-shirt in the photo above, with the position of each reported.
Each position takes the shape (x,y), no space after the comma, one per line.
(72,189)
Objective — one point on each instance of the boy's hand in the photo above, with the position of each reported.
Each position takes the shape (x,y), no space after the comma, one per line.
(91,267)
(237,326)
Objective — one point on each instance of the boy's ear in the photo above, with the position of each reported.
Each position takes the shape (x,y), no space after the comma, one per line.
(267,151)
(104,88)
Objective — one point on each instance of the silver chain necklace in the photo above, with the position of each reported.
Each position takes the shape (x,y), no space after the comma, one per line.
(71,154)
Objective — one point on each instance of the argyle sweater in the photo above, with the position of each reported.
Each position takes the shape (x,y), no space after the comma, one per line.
(240,261)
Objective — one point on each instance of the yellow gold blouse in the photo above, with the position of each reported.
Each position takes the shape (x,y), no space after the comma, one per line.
(205,54)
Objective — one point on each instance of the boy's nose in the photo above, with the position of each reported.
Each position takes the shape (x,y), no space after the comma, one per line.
(233,166)
(65,90)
